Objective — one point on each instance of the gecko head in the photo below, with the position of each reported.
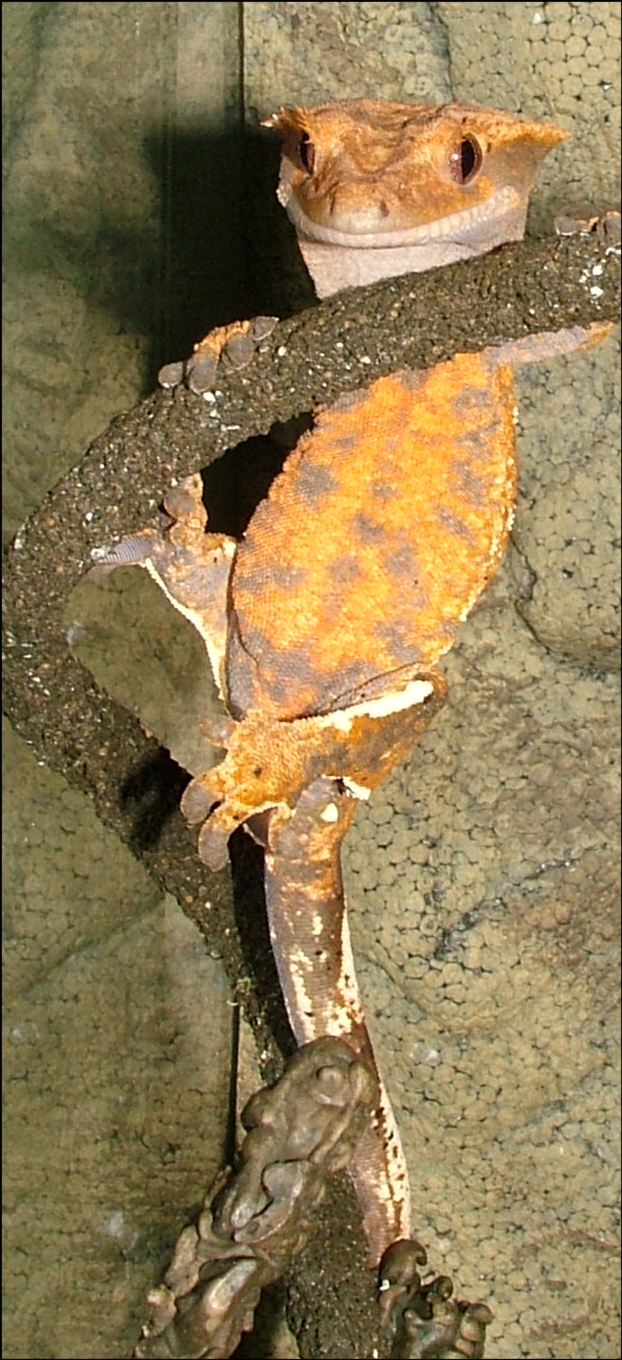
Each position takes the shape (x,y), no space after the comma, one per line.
(411,185)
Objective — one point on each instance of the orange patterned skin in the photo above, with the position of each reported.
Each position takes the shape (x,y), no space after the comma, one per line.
(407,544)
(324,624)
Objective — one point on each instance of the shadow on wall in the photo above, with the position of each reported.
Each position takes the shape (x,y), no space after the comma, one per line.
(228,250)
(166,283)
(199,278)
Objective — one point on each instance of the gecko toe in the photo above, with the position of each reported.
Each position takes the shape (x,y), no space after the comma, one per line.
(200,372)
(262,327)
(238,352)
(218,728)
(213,843)
(170,375)
(198,801)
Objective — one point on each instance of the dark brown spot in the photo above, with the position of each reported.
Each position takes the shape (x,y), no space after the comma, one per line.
(383,491)
(403,650)
(345,569)
(314,483)
(366,529)
(470,486)
(455,525)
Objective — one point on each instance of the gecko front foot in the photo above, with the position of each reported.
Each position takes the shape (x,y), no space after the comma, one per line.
(226,348)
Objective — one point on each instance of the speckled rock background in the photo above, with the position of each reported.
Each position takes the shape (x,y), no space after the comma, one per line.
(483,876)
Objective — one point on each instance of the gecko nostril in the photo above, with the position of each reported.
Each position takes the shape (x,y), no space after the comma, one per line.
(466,161)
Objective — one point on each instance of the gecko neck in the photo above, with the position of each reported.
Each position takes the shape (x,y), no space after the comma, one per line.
(335,267)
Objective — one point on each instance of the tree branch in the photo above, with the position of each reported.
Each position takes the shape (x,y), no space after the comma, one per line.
(343,344)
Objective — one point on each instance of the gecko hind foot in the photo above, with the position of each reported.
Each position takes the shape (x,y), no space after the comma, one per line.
(423,1319)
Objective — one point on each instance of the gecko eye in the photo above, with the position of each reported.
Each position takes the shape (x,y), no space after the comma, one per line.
(306,151)
(466,161)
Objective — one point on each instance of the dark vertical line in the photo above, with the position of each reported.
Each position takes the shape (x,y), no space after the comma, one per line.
(241,66)
(164,329)
(231,1130)
(245,270)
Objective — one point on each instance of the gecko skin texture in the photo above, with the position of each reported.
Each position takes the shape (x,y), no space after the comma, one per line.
(324,625)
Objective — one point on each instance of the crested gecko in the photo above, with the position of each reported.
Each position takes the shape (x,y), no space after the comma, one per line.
(324,624)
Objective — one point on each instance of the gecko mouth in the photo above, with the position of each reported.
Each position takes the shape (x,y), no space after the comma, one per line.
(504,204)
